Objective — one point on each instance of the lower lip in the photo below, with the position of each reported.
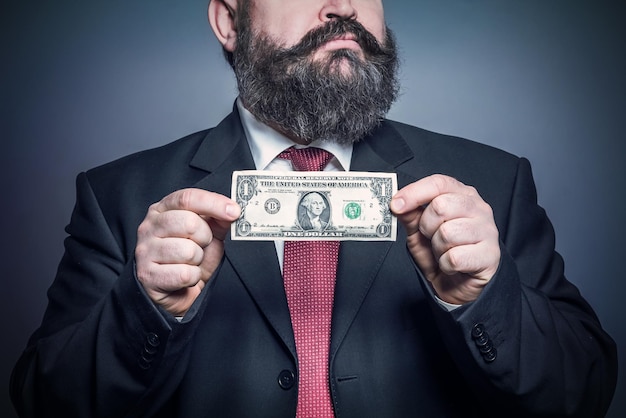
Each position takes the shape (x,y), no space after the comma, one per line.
(341,44)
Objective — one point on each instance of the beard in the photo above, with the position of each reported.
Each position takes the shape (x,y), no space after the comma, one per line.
(319,99)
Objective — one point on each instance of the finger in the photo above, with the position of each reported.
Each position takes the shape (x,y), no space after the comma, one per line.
(423,191)
(478,260)
(167,278)
(204,203)
(182,224)
(219,229)
(454,233)
(444,208)
(411,220)
(178,251)
(420,248)
(213,255)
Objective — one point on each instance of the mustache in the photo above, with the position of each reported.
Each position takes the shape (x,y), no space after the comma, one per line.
(317,37)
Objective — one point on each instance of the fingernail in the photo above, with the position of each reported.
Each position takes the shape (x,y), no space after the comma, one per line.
(397,204)
(232,211)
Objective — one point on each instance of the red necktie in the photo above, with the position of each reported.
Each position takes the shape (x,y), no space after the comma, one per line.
(309,271)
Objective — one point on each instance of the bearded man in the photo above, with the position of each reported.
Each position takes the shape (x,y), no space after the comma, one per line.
(155,311)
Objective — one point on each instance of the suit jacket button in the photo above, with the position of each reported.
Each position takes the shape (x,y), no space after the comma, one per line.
(153,340)
(149,349)
(145,363)
(487,348)
(491,355)
(286,379)
(478,330)
(483,340)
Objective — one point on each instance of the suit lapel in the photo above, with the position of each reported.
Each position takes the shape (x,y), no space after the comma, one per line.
(257,265)
(359,262)
(224,150)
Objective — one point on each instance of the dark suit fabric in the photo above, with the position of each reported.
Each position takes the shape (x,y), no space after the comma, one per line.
(104,350)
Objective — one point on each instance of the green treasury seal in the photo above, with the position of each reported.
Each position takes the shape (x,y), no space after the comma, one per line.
(352,210)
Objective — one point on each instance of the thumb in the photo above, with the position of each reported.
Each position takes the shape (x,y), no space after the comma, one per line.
(214,252)
(418,244)
(219,228)
(421,250)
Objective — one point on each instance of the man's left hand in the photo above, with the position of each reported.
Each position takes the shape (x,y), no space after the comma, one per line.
(451,234)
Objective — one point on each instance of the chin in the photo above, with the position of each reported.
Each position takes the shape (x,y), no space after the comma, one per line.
(344,61)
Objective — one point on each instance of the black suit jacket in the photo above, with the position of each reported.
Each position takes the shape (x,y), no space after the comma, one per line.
(529,345)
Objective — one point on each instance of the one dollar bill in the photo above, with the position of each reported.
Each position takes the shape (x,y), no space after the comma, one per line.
(313,205)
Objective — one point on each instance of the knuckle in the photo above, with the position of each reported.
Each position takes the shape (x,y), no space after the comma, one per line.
(189,254)
(440,182)
(438,206)
(456,259)
(446,233)
(424,229)
(191,224)
(184,198)
(188,276)
(471,191)
(144,228)
(141,251)
(145,274)
(488,210)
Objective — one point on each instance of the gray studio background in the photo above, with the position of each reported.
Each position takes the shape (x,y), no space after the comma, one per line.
(84,82)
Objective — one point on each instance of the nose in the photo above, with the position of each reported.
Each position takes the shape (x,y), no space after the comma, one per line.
(338,9)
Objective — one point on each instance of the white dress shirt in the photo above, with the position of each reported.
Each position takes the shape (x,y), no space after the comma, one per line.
(266,143)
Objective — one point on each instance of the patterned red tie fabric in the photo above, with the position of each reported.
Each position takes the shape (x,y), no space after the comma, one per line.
(309,271)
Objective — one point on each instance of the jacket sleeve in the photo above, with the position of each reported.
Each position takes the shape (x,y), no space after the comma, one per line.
(103,347)
(530,344)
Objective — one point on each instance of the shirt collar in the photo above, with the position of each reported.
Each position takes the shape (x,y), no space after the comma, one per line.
(266,143)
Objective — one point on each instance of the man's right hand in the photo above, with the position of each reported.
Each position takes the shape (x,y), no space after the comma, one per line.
(180,244)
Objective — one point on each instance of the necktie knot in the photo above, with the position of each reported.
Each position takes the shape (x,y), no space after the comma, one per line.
(307,159)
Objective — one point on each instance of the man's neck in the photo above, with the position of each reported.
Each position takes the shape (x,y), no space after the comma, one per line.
(295,138)
(266,143)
